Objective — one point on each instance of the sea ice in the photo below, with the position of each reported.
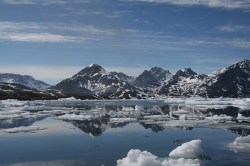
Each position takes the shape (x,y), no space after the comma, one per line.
(24,129)
(74,117)
(220,117)
(181,162)
(188,150)
(240,144)
(136,157)
(185,155)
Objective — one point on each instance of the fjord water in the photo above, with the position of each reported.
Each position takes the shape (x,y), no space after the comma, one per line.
(100,133)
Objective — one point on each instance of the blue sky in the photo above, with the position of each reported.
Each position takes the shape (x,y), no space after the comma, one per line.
(54,39)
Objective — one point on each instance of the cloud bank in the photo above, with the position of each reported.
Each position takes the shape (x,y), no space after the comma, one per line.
(228,4)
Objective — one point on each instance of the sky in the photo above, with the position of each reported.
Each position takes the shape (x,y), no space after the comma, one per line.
(54,39)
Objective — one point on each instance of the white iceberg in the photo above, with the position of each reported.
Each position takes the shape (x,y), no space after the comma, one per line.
(139,158)
(185,155)
(188,150)
(240,144)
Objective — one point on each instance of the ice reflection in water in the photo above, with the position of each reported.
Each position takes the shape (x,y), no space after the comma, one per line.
(96,117)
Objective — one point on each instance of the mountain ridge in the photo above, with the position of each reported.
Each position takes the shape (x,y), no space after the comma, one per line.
(94,82)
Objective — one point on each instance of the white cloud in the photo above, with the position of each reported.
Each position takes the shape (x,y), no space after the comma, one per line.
(123,38)
(33,2)
(38,37)
(49,32)
(229,4)
(233,28)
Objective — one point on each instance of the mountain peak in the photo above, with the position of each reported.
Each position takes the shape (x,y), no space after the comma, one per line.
(187,72)
(244,63)
(91,70)
(156,69)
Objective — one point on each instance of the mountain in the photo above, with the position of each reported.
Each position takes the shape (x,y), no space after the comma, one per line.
(152,78)
(95,82)
(233,81)
(122,76)
(21,92)
(25,80)
(183,83)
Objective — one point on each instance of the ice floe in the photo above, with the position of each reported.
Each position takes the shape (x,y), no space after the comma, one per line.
(220,117)
(136,157)
(24,129)
(74,117)
(188,150)
(240,144)
(210,101)
(187,154)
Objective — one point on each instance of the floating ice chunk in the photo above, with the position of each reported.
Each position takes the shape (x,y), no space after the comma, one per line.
(122,120)
(13,103)
(24,129)
(175,101)
(240,118)
(188,150)
(180,112)
(220,117)
(114,114)
(74,117)
(240,144)
(139,158)
(183,117)
(185,155)
(139,108)
(128,109)
(67,99)
(181,162)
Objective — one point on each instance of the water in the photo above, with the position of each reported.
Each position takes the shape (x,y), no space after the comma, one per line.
(102,140)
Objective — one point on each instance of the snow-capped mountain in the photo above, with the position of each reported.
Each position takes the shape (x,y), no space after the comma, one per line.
(95,82)
(152,78)
(233,81)
(25,80)
(183,83)
(21,92)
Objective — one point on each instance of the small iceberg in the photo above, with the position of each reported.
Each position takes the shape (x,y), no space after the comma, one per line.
(240,144)
(187,154)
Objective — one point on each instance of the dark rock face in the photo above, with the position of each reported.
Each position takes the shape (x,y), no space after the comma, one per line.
(25,80)
(233,81)
(94,82)
(123,76)
(146,80)
(152,78)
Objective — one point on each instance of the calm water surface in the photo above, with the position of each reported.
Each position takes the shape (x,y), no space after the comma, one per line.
(102,141)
